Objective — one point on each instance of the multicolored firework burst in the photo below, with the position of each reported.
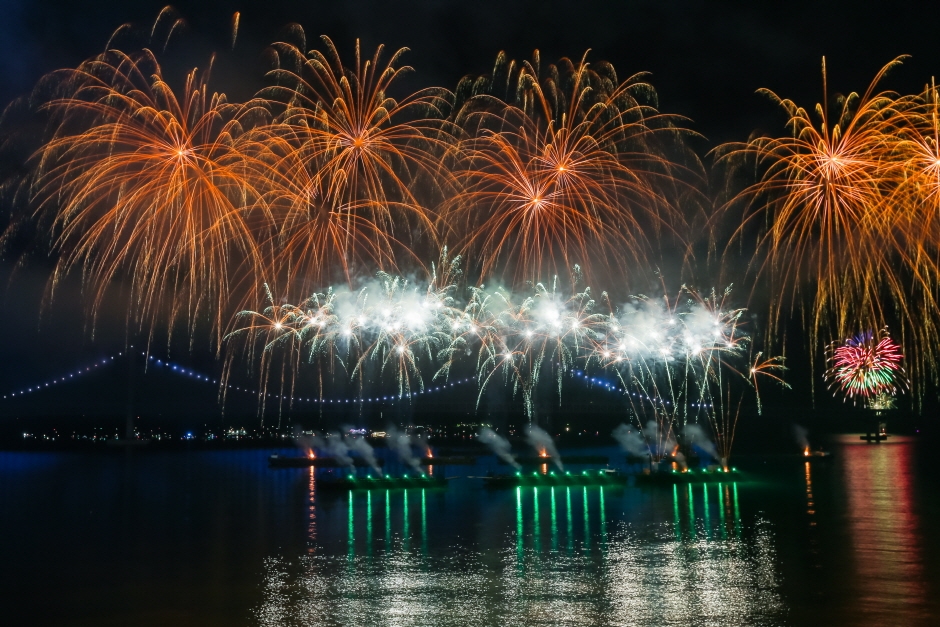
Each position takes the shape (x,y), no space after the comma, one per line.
(867,365)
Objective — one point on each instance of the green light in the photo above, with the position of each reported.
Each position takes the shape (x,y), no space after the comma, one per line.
(552,473)
(518,474)
(583,472)
(349,541)
(734,470)
(535,474)
(600,472)
(567,472)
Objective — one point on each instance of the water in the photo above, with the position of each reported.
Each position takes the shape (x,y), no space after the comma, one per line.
(217,538)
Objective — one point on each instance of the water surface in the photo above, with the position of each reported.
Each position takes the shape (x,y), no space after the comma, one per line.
(218,538)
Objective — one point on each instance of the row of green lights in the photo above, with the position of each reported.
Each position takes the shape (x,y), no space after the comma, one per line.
(552,473)
(371,478)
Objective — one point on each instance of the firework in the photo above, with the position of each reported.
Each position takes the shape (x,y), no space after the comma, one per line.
(559,178)
(674,352)
(325,175)
(140,180)
(391,324)
(347,159)
(767,367)
(843,213)
(672,356)
(543,333)
(866,365)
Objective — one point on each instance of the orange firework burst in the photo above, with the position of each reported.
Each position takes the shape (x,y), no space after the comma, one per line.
(567,175)
(915,171)
(829,233)
(348,158)
(140,180)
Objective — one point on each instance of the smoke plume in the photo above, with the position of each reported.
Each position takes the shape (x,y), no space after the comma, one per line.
(365,451)
(630,441)
(696,437)
(401,443)
(539,439)
(499,445)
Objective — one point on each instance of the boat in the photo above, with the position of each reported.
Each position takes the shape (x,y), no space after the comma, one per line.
(689,475)
(282,461)
(405,482)
(878,435)
(567,459)
(603,477)
(585,459)
(449,460)
(533,460)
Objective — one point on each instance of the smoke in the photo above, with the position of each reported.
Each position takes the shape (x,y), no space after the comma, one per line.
(401,443)
(362,447)
(696,436)
(660,443)
(663,444)
(801,436)
(630,441)
(333,446)
(499,445)
(539,439)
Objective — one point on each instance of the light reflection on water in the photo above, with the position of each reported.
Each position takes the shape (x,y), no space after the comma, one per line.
(216,538)
(562,556)
(885,532)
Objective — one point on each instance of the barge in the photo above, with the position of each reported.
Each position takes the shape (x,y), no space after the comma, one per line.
(405,482)
(282,461)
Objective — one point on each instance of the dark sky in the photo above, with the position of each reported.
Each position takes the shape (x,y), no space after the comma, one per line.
(707,58)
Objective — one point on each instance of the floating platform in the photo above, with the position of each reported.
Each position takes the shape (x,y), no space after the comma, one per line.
(281,461)
(449,460)
(585,459)
(604,477)
(567,459)
(874,437)
(688,476)
(406,482)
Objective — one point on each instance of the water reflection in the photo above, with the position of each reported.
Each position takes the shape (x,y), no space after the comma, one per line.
(270,547)
(312,511)
(552,564)
(885,532)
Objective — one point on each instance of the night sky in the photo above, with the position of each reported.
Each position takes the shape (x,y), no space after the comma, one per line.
(707,59)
